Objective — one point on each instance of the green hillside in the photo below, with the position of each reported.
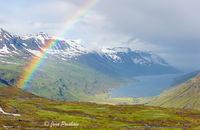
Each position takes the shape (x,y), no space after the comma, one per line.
(186,95)
(36,111)
(65,81)
(71,81)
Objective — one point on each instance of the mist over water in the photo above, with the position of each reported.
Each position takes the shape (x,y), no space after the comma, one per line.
(145,86)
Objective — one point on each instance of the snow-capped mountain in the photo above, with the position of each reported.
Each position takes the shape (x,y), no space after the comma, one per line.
(8,44)
(124,54)
(12,45)
(118,60)
(122,61)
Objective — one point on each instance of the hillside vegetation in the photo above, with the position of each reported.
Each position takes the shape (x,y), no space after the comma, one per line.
(36,111)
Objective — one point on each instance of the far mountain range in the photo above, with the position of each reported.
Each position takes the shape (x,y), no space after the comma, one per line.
(118,61)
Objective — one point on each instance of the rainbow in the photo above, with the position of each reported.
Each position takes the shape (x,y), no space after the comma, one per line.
(36,62)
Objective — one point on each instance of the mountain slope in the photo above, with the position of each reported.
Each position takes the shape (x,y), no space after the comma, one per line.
(36,113)
(61,80)
(186,95)
(124,62)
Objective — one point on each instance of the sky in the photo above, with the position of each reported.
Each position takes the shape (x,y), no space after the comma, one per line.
(168,28)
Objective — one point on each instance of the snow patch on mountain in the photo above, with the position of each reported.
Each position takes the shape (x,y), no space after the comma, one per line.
(5,113)
(35,52)
(111,54)
(138,61)
(4,50)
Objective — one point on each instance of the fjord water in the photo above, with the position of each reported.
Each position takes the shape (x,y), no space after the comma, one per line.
(145,86)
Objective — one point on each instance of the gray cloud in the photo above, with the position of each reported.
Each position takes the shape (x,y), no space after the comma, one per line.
(169,28)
